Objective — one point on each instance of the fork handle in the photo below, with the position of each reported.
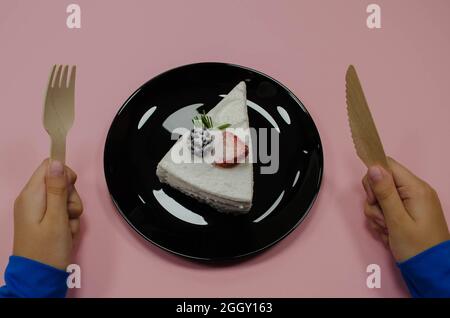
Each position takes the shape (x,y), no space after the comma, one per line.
(58,149)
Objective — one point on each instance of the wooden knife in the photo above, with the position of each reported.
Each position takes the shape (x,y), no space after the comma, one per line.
(364,132)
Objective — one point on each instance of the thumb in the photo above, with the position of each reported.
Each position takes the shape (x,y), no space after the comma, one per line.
(56,185)
(385,191)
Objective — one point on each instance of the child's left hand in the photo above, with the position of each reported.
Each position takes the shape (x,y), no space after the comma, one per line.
(46,216)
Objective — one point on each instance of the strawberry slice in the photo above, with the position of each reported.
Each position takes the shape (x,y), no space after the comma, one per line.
(229,150)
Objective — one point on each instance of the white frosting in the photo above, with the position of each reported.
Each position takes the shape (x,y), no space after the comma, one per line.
(226,189)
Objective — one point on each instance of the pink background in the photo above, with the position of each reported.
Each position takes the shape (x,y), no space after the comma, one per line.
(307,45)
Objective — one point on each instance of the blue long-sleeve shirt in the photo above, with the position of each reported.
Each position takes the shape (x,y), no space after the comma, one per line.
(28,278)
(428,274)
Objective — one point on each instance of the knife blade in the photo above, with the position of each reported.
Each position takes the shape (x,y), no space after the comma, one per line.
(365,136)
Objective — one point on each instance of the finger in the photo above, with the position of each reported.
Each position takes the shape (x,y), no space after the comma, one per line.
(74,226)
(71,175)
(56,185)
(374,213)
(385,239)
(380,232)
(74,204)
(379,228)
(39,174)
(37,179)
(385,191)
(402,176)
(370,196)
(376,228)
(32,197)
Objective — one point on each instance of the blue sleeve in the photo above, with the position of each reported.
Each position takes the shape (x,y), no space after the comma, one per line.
(428,273)
(27,278)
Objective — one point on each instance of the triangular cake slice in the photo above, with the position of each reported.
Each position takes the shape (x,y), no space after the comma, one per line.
(227,189)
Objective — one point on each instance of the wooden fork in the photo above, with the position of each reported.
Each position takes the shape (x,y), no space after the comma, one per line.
(59,109)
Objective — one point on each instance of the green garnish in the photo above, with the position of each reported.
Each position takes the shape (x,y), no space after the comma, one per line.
(204,121)
(223,126)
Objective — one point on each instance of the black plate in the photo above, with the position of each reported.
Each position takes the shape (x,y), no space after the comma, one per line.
(140,136)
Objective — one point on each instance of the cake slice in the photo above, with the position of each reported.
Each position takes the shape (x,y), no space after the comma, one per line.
(226,185)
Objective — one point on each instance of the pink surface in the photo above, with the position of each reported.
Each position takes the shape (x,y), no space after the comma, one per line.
(307,45)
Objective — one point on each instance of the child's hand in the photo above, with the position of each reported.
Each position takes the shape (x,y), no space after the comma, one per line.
(404,210)
(46,216)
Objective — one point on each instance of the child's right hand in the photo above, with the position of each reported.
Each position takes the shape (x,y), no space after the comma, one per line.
(404,210)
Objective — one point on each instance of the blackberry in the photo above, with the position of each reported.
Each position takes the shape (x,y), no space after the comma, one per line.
(200,141)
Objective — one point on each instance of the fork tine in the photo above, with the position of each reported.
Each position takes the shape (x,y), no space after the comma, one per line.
(64,77)
(73,75)
(52,75)
(57,79)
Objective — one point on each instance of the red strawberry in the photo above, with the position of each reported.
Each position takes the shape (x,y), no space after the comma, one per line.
(229,150)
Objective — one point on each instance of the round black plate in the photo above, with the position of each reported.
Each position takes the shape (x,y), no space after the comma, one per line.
(140,135)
